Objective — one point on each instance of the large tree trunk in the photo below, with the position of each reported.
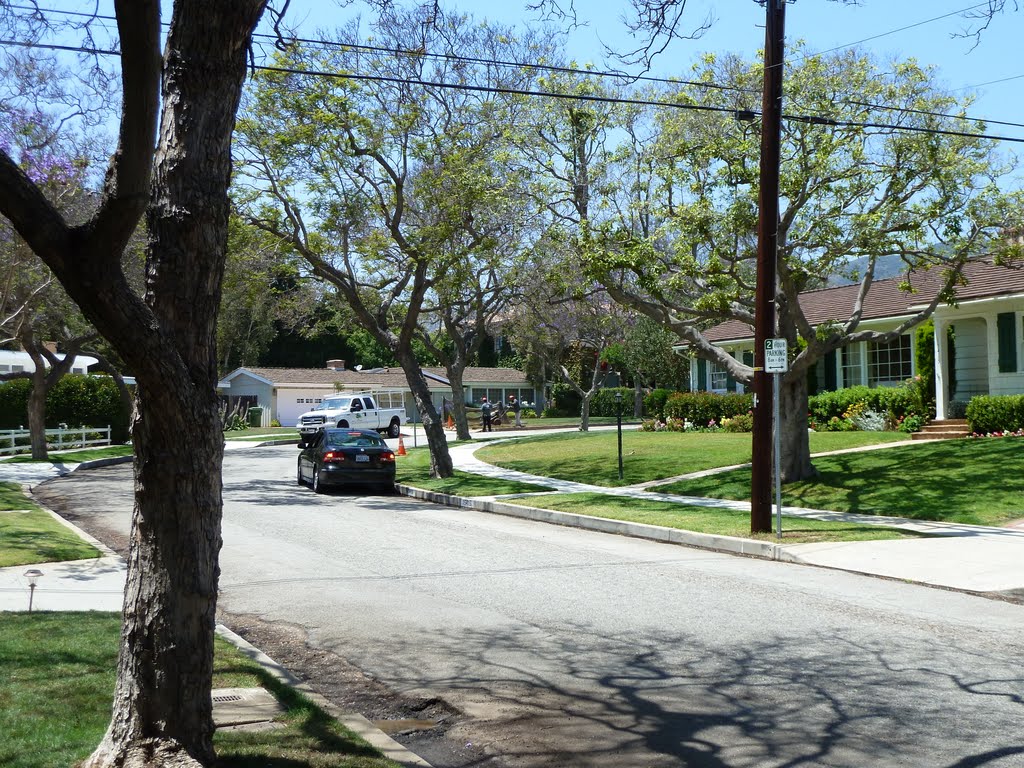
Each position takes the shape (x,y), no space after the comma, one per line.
(37,415)
(795,453)
(162,712)
(459,402)
(437,443)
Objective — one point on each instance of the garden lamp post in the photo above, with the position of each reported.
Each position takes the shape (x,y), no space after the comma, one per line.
(33,575)
(618,425)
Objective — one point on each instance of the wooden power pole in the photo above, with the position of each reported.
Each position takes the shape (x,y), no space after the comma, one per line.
(767,251)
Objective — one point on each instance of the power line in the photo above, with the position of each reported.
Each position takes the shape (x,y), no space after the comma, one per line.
(739,114)
(599,73)
(900,29)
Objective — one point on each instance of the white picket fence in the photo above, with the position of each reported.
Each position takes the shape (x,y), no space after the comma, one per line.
(17,440)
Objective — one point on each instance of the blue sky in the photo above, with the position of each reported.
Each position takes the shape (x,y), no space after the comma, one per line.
(923,29)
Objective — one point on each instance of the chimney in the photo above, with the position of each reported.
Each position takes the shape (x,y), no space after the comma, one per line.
(336,365)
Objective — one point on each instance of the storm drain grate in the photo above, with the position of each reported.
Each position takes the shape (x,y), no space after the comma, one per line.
(221,698)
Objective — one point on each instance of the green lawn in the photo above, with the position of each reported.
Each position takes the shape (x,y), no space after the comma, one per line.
(29,534)
(414,470)
(724,522)
(591,457)
(59,674)
(76,457)
(962,481)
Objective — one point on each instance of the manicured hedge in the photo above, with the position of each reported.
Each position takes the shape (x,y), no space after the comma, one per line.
(75,400)
(897,401)
(603,401)
(995,413)
(654,403)
(701,408)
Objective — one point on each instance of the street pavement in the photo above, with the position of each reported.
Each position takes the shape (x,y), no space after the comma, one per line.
(980,559)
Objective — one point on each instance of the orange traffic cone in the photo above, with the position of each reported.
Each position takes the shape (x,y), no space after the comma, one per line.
(451,422)
(401,447)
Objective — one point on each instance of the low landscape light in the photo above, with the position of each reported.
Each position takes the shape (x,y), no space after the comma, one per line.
(32,575)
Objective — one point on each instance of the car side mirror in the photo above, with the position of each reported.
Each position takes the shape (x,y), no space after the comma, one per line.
(302,445)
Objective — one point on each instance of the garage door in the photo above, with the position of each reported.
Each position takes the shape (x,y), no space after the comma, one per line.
(292,403)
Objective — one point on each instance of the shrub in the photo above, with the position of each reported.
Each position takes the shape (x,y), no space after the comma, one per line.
(742,422)
(654,403)
(564,401)
(603,401)
(894,402)
(870,421)
(703,408)
(75,400)
(987,414)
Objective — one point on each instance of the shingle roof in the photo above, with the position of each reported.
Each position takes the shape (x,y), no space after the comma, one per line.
(885,299)
(394,378)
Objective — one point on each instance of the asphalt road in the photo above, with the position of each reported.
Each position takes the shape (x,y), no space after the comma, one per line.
(571,648)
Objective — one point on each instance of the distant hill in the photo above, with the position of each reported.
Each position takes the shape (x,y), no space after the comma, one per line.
(885,267)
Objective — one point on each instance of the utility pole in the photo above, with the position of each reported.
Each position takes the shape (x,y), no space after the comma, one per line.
(767,253)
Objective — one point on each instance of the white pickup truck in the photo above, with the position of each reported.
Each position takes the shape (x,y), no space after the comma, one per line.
(358,410)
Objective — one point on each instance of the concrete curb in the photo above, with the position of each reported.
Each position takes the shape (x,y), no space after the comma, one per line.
(109,462)
(728,544)
(354,722)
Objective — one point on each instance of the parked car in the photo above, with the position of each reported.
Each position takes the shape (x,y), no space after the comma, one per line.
(344,457)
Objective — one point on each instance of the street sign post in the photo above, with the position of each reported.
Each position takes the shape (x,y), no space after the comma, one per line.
(776,362)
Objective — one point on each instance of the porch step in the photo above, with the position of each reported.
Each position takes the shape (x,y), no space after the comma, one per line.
(945,429)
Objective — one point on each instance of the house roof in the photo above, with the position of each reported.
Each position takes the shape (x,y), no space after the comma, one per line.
(886,300)
(393,378)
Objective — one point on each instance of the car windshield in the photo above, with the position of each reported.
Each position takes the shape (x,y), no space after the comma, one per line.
(341,439)
(333,403)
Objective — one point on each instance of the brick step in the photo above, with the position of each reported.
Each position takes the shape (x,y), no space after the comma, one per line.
(938,435)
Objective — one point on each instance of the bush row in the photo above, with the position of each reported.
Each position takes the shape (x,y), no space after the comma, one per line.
(703,408)
(75,400)
(987,414)
(896,401)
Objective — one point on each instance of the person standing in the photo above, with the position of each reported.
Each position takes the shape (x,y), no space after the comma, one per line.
(485,414)
(513,403)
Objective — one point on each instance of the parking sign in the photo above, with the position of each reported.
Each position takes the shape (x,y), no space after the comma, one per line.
(775,356)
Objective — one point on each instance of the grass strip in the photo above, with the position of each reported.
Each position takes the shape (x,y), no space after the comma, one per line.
(76,457)
(977,482)
(59,680)
(29,534)
(414,470)
(714,520)
(592,457)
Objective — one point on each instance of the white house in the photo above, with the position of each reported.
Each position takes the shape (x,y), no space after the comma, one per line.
(987,324)
(286,393)
(14,361)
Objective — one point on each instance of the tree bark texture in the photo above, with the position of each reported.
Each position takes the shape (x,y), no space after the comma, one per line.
(440,459)
(162,712)
(795,454)
(459,403)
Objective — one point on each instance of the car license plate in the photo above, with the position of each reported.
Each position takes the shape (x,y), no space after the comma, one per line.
(361,457)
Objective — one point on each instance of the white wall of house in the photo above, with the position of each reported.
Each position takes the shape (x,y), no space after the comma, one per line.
(13,361)
(971,365)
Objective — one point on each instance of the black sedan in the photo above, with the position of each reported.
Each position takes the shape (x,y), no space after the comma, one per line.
(341,457)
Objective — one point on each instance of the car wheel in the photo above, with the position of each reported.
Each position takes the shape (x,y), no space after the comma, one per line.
(298,475)
(317,487)
(387,489)
(343,424)
(395,429)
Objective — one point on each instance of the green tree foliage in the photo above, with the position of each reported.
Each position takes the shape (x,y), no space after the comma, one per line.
(850,194)
(389,188)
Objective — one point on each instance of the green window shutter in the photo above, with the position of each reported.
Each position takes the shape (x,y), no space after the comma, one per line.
(831,383)
(748,358)
(702,375)
(1006,325)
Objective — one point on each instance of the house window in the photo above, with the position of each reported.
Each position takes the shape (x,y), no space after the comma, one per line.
(890,363)
(4,368)
(719,378)
(853,368)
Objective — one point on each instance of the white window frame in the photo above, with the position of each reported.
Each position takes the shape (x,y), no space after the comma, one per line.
(906,358)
